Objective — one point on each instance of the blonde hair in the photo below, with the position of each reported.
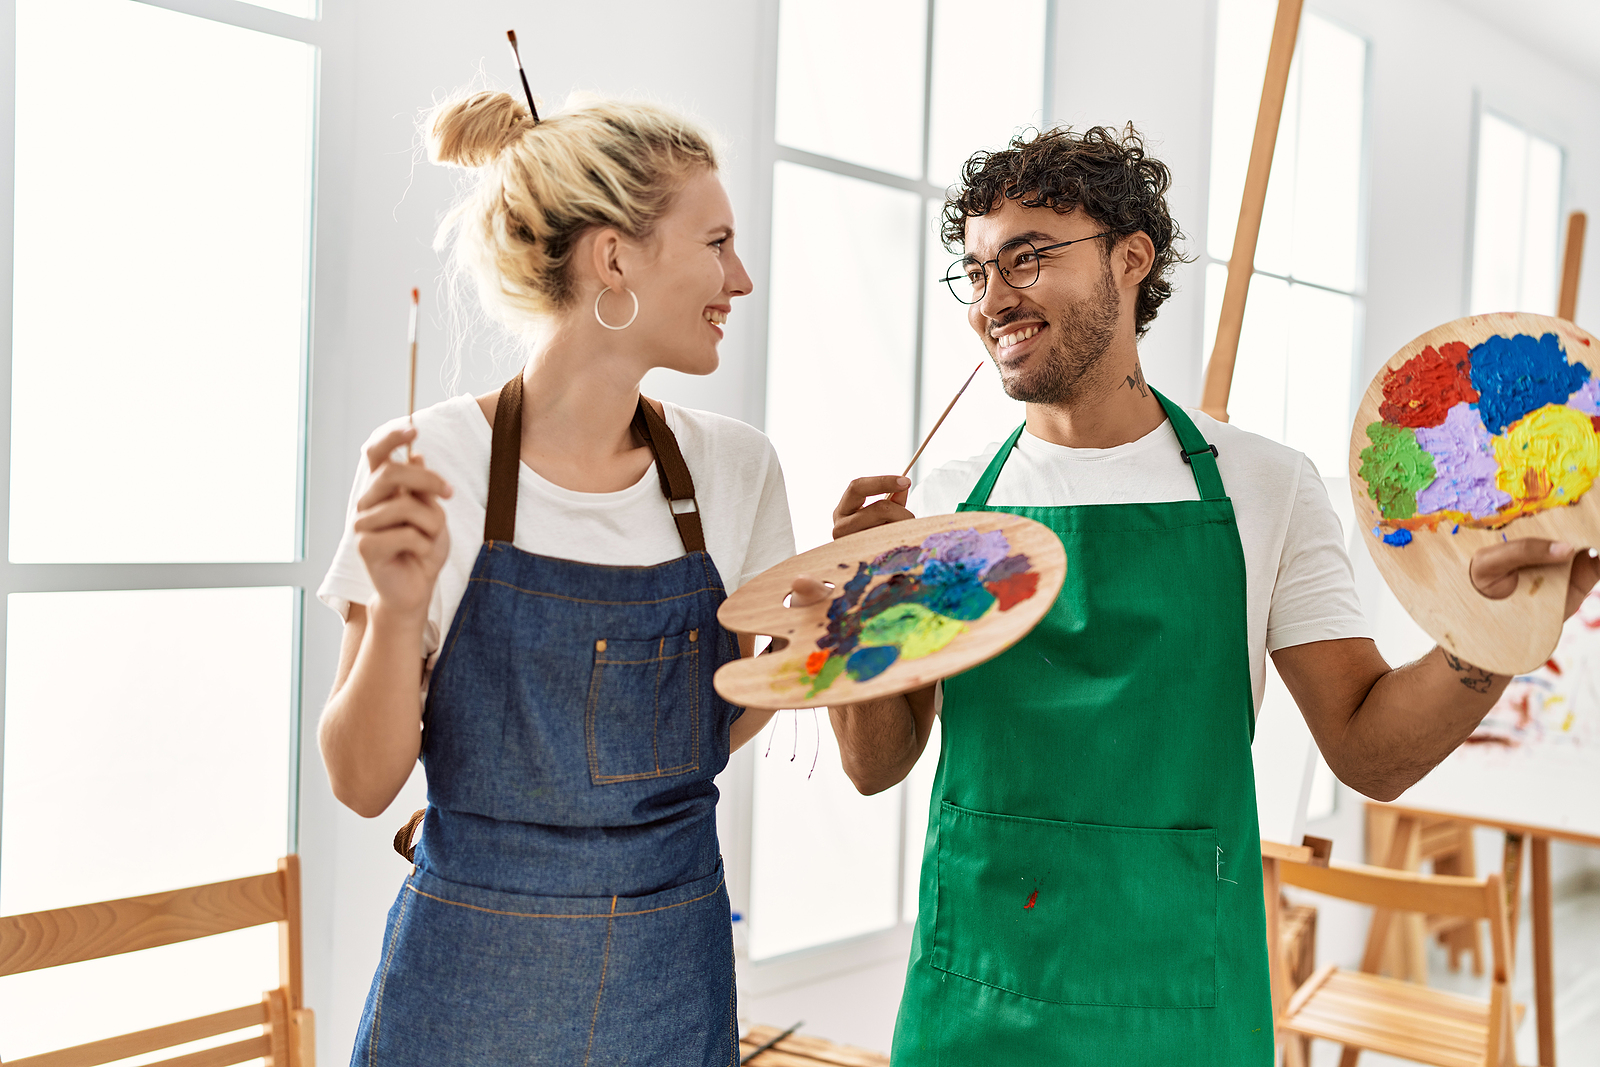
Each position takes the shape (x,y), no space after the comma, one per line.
(595,162)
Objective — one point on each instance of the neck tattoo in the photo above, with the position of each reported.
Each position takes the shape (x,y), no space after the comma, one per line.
(1136,380)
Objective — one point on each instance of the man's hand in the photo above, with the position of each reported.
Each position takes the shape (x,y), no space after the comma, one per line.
(1494,568)
(854,514)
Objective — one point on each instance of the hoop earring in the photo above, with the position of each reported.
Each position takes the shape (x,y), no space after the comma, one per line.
(606,324)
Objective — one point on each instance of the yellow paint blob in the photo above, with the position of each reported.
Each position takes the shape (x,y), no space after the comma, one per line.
(918,631)
(1548,458)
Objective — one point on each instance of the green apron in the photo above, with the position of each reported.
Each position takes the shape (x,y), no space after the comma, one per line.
(1091,882)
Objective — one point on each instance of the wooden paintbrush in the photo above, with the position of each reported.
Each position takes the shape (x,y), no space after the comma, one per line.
(411,395)
(756,1052)
(940,423)
(516,56)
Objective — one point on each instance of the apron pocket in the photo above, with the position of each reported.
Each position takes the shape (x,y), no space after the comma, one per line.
(643,714)
(1072,913)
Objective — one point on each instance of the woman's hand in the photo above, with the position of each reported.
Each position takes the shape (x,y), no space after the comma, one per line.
(400,527)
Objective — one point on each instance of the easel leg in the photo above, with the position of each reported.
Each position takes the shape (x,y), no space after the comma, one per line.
(1543,964)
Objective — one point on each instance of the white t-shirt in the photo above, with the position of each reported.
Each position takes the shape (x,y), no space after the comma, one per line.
(738,487)
(1299,584)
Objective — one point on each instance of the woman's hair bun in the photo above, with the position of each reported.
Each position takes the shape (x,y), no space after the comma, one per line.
(472,131)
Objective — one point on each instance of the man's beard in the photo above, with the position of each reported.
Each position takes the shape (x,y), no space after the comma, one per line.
(1083,334)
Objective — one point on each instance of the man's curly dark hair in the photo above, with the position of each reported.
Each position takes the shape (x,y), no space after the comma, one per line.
(1104,173)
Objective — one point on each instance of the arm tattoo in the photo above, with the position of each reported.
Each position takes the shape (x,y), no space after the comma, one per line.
(1472,677)
(1136,380)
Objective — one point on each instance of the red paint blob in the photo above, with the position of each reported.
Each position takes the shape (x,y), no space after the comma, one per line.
(1423,389)
(815,661)
(1032,897)
(1555,668)
(1594,420)
(1015,589)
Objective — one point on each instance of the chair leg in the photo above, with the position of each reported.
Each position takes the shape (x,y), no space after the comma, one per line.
(1351,1054)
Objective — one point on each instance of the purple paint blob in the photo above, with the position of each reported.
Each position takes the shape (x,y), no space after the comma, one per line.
(953,545)
(1587,398)
(1464,466)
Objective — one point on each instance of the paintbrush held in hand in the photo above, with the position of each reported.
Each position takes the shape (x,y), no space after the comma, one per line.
(940,423)
(411,393)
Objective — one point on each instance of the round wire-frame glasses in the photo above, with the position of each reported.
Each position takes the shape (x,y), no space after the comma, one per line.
(1017,263)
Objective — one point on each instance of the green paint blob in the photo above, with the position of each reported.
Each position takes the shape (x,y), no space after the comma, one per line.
(1395,469)
(824,678)
(918,631)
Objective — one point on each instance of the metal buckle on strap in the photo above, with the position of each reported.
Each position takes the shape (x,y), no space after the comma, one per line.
(683,505)
(1186,455)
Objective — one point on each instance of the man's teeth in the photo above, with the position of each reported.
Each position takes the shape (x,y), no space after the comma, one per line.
(712,315)
(1018,336)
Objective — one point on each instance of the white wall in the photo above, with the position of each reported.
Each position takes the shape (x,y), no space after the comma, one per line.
(378,203)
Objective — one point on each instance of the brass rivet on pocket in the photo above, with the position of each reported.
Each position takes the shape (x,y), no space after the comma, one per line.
(694,635)
(600,645)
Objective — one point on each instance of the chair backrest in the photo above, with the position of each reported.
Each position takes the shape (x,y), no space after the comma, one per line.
(41,939)
(1429,894)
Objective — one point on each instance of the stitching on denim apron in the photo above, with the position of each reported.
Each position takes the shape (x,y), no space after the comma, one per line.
(605,962)
(383,978)
(547,915)
(693,656)
(586,600)
(655,706)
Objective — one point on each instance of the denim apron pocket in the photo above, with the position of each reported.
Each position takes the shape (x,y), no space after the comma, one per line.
(643,714)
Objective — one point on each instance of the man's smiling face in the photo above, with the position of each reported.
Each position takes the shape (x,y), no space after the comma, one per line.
(1046,337)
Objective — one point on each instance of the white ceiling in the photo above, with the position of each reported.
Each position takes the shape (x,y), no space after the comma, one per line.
(1566,30)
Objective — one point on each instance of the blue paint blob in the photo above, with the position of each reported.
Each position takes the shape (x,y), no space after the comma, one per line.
(1521,374)
(871,661)
(1399,539)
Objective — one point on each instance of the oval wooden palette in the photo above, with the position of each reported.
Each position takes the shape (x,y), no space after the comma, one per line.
(1484,429)
(913,602)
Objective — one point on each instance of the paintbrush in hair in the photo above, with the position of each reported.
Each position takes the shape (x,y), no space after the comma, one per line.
(940,423)
(516,56)
(411,395)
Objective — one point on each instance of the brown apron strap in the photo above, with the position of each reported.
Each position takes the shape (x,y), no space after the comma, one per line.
(505,455)
(405,839)
(677,485)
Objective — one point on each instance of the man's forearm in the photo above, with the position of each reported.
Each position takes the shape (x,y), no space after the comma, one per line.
(881,740)
(1412,718)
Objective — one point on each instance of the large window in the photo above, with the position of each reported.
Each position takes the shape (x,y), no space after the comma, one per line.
(1516,230)
(154,568)
(1293,379)
(872,126)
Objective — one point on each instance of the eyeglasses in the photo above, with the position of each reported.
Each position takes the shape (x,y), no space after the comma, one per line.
(1018,264)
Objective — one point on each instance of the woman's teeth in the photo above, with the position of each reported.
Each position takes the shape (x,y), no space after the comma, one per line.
(1016,337)
(712,315)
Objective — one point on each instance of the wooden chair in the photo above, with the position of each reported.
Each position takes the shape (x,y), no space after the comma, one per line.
(1406,844)
(798,1050)
(1366,1011)
(53,938)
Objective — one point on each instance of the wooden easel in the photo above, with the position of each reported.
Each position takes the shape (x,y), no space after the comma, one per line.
(1242,262)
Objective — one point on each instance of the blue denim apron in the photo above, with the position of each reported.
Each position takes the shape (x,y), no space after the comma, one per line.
(567,905)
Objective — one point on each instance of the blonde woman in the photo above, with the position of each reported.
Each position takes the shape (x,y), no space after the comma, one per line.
(558,561)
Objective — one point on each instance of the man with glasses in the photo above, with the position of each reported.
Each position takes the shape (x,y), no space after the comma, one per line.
(1091,884)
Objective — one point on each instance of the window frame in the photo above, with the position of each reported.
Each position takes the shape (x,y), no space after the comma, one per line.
(736,817)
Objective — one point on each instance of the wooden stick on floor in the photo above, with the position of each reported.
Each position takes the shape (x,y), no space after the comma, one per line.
(1571,266)
(1242,262)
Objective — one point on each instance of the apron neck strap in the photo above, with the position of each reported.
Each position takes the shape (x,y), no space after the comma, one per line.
(1201,457)
(979,497)
(1196,451)
(505,457)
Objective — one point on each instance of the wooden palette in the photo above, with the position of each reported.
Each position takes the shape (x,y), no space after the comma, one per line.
(1503,466)
(913,602)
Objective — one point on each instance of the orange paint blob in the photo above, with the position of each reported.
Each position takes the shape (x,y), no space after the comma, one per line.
(1014,590)
(814,662)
